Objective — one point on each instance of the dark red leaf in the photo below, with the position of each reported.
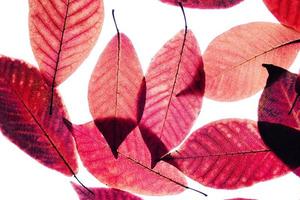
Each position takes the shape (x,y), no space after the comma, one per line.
(227,154)
(204,4)
(117,91)
(131,171)
(103,194)
(233,60)
(25,119)
(280,128)
(286,11)
(175,86)
(62,34)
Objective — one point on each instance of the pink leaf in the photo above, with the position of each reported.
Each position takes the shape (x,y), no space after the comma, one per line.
(233,60)
(279,126)
(204,4)
(175,86)
(117,91)
(131,171)
(227,154)
(62,34)
(103,194)
(25,119)
(286,11)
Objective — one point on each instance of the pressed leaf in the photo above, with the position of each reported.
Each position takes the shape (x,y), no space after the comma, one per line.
(25,119)
(62,34)
(233,60)
(278,127)
(227,154)
(117,91)
(131,170)
(175,86)
(207,4)
(103,194)
(286,11)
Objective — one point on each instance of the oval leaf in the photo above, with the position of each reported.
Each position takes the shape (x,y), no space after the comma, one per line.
(227,154)
(280,128)
(25,119)
(286,11)
(62,34)
(207,4)
(103,194)
(131,171)
(233,60)
(117,91)
(175,86)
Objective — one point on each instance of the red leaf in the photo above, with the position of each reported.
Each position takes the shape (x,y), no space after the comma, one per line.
(286,11)
(207,4)
(131,171)
(175,86)
(103,194)
(117,91)
(279,128)
(233,60)
(62,34)
(227,154)
(25,119)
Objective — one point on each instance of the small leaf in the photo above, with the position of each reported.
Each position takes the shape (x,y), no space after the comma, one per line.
(286,11)
(175,87)
(279,128)
(103,194)
(25,119)
(131,171)
(207,4)
(233,60)
(62,34)
(117,91)
(227,154)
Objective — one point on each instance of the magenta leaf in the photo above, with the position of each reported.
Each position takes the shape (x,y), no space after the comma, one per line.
(25,119)
(117,91)
(131,170)
(279,125)
(175,87)
(204,4)
(286,11)
(103,194)
(227,154)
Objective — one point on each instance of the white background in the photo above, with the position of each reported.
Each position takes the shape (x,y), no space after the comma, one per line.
(149,24)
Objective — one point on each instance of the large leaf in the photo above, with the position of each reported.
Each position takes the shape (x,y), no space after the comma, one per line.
(175,86)
(131,171)
(117,91)
(103,194)
(25,119)
(279,127)
(233,60)
(207,4)
(286,11)
(62,34)
(227,154)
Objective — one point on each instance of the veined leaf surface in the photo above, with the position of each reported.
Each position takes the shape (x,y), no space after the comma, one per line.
(207,4)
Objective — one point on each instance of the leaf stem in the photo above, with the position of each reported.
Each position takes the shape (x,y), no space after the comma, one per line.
(294,104)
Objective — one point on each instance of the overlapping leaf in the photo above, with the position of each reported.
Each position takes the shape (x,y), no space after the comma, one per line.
(117,91)
(227,154)
(286,11)
(279,127)
(175,86)
(25,119)
(104,194)
(131,171)
(207,4)
(233,60)
(62,33)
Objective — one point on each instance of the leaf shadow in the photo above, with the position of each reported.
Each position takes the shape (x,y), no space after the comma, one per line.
(283,141)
